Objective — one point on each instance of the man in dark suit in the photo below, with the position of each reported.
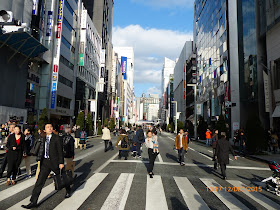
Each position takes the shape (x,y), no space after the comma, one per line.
(51,157)
(222,153)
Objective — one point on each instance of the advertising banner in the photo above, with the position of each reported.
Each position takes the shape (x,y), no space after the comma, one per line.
(56,55)
(124,66)
(49,23)
(35,7)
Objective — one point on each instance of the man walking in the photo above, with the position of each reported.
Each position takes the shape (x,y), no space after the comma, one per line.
(139,138)
(222,153)
(181,144)
(77,136)
(242,144)
(68,149)
(208,137)
(51,157)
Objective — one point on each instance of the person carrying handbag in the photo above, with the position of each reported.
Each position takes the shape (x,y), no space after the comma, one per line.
(51,157)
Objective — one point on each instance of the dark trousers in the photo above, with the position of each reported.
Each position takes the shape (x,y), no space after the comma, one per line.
(181,155)
(152,158)
(138,146)
(214,151)
(45,168)
(14,160)
(106,145)
(4,164)
(123,153)
(223,169)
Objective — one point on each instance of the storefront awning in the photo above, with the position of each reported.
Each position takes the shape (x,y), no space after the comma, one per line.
(276,112)
(22,42)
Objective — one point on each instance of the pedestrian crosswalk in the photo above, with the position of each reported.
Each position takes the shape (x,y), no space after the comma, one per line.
(194,193)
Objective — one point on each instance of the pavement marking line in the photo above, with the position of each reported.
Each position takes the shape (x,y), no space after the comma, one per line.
(171,138)
(119,194)
(200,153)
(47,192)
(190,195)
(160,158)
(16,188)
(190,164)
(83,192)
(106,163)
(226,197)
(256,196)
(155,195)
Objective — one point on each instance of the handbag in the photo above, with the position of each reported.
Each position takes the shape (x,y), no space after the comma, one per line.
(63,179)
(35,149)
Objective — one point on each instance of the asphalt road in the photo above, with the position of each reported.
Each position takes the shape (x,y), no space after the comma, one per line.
(104,182)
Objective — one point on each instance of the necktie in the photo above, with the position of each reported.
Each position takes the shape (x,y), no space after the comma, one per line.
(47,146)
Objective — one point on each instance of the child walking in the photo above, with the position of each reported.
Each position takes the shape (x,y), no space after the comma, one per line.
(155,141)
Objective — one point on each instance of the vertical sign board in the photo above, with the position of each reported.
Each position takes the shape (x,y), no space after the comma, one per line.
(124,66)
(83,37)
(35,7)
(266,92)
(49,24)
(57,54)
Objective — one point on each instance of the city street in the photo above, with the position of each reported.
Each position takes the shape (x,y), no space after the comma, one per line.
(105,182)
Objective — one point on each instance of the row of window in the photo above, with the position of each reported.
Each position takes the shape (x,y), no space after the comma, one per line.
(63,102)
(67,44)
(65,81)
(66,62)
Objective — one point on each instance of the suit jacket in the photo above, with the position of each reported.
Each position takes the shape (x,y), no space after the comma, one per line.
(222,151)
(55,150)
(184,142)
(11,142)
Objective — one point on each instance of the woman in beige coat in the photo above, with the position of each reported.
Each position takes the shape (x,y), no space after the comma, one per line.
(106,137)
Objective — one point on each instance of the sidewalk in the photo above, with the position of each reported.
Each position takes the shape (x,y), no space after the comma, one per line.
(266,157)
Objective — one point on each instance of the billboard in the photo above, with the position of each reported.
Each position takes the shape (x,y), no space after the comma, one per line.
(124,66)
(56,55)
(49,23)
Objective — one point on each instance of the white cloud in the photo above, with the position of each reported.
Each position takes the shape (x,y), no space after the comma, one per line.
(150,45)
(166,3)
(153,90)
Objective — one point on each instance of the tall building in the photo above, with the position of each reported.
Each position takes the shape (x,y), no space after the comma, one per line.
(126,58)
(89,66)
(146,101)
(268,22)
(101,13)
(167,70)
(22,55)
(228,74)
(180,80)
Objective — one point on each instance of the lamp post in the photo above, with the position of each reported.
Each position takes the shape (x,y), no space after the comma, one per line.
(195,109)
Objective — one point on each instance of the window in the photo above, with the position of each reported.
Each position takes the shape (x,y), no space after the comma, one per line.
(66,62)
(63,102)
(65,81)
(67,24)
(67,44)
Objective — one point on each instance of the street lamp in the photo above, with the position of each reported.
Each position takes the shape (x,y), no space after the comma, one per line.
(195,109)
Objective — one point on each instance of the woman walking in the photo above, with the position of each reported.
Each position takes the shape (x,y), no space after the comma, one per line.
(106,136)
(122,142)
(16,147)
(152,155)
(83,139)
(28,145)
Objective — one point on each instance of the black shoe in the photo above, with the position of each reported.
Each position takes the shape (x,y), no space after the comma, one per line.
(151,176)
(119,157)
(215,168)
(1,175)
(153,173)
(68,195)
(126,158)
(224,177)
(29,206)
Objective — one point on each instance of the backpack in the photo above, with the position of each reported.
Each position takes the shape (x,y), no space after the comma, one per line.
(124,143)
(130,135)
(141,136)
(82,135)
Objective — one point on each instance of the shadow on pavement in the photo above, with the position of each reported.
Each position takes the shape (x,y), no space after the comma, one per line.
(177,204)
(172,157)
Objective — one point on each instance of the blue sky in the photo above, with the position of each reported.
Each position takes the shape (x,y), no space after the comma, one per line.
(156,29)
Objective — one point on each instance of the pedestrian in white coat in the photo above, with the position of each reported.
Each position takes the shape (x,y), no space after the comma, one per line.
(106,137)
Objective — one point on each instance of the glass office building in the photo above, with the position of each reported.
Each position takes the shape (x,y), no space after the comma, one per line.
(227,72)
